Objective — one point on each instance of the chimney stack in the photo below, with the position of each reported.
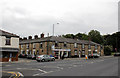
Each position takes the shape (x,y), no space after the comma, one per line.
(25,38)
(36,37)
(20,38)
(29,37)
(42,35)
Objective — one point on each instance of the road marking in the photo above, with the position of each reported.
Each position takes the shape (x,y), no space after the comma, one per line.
(42,71)
(36,74)
(92,62)
(20,74)
(74,65)
(8,65)
(60,68)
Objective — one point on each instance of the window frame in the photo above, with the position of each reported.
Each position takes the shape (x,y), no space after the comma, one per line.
(41,45)
(56,44)
(83,46)
(89,46)
(65,44)
(8,41)
(75,45)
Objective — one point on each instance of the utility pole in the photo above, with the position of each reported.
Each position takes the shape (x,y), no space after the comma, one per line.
(53,29)
(116,44)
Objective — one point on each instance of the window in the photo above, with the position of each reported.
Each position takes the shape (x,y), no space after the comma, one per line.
(27,52)
(83,52)
(83,46)
(75,52)
(41,45)
(42,51)
(21,46)
(56,44)
(8,41)
(65,44)
(23,52)
(14,55)
(5,55)
(89,52)
(27,45)
(75,45)
(37,51)
(95,46)
(89,46)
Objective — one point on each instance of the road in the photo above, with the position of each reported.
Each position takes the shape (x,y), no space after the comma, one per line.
(106,66)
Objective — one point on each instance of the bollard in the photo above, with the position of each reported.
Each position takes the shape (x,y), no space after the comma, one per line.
(86,57)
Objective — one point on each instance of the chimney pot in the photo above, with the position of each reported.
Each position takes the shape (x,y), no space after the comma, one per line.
(25,38)
(42,35)
(30,37)
(36,37)
(20,38)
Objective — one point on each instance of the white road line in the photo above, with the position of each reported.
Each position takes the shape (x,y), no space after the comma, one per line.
(92,62)
(42,71)
(36,74)
(60,68)
(20,74)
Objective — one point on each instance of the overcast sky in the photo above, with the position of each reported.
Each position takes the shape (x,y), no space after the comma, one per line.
(32,17)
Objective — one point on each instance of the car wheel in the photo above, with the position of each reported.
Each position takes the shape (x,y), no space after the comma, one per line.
(38,60)
(53,59)
(43,60)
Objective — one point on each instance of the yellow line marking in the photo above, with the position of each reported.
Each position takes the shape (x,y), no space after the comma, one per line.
(14,73)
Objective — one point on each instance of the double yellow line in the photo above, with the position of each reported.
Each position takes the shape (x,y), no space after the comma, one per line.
(17,75)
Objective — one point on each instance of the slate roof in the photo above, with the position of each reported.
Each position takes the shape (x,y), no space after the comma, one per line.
(58,39)
(7,34)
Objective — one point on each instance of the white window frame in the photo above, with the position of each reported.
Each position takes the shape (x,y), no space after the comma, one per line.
(27,45)
(83,46)
(75,45)
(89,46)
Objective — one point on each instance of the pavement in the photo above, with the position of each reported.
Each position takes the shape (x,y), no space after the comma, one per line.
(103,66)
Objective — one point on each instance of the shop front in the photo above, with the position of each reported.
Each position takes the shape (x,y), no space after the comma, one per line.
(9,54)
(58,53)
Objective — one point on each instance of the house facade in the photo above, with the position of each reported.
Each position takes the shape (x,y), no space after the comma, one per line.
(57,46)
(9,46)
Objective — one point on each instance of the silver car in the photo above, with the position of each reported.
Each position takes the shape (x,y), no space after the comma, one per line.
(44,58)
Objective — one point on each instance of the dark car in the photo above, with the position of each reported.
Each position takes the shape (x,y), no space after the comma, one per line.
(117,54)
(22,56)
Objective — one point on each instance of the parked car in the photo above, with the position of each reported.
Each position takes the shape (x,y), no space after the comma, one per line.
(117,54)
(94,55)
(22,56)
(33,56)
(44,58)
(29,56)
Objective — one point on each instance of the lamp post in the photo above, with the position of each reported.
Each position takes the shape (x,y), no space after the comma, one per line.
(54,28)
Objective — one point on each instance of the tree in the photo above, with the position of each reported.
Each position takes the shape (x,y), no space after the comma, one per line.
(69,36)
(113,40)
(95,36)
(108,49)
(81,36)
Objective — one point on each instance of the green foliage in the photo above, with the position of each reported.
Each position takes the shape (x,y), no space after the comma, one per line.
(108,50)
(95,36)
(113,40)
(69,36)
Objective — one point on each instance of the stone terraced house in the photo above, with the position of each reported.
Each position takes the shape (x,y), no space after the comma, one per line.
(58,46)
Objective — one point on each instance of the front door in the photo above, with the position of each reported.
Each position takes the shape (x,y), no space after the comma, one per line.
(10,59)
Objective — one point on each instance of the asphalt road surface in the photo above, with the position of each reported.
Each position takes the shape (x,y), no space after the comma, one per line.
(106,66)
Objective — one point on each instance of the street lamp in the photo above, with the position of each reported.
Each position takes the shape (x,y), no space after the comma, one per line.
(54,28)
